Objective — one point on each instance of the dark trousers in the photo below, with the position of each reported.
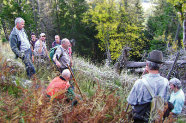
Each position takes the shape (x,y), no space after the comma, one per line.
(27,60)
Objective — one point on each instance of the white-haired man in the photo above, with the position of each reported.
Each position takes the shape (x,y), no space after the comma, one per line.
(59,85)
(20,45)
(61,56)
(177,97)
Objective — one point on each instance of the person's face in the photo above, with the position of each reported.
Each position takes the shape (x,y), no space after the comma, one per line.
(43,37)
(66,45)
(171,86)
(20,25)
(57,39)
(33,37)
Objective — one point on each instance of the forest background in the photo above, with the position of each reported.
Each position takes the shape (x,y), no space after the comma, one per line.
(101,28)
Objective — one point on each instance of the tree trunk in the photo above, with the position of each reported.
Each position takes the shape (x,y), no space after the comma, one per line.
(184,33)
(35,14)
(121,61)
(177,32)
(131,64)
(5,29)
(107,50)
(57,17)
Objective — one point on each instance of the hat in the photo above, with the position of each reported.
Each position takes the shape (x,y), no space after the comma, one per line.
(175,82)
(42,34)
(155,56)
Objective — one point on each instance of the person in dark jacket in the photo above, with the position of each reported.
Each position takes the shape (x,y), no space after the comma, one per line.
(21,47)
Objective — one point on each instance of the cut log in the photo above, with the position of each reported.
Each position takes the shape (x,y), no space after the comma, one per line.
(131,64)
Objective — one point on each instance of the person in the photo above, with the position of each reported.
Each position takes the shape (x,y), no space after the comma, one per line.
(61,57)
(20,45)
(33,41)
(139,97)
(59,86)
(40,50)
(177,96)
(57,41)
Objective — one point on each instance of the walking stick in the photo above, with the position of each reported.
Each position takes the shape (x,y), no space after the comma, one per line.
(74,80)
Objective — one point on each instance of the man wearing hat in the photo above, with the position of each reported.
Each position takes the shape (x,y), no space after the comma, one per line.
(177,97)
(40,50)
(139,97)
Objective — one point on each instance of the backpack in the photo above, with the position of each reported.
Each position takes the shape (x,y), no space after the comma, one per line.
(157,103)
(53,51)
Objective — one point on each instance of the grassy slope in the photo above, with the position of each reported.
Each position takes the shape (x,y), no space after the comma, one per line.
(104,93)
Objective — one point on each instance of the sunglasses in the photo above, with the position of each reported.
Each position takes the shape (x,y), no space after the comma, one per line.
(44,36)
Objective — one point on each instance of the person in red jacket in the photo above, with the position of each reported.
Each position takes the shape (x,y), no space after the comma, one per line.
(59,85)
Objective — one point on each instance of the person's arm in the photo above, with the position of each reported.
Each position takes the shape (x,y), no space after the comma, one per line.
(133,96)
(177,106)
(41,46)
(14,47)
(56,56)
(46,51)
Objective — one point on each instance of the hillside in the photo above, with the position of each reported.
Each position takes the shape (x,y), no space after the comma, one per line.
(104,93)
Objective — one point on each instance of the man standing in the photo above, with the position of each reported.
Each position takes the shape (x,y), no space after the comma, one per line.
(61,56)
(33,41)
(40,50)
(177,97)
(57,41)
(20,45)
(139,96)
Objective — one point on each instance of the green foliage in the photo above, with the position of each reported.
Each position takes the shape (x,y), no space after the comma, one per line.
(180,6)
(10,9)
(116,27)
(162,25)
(4,40)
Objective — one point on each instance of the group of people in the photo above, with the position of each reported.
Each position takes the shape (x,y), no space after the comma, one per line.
(35,50)
(139,96)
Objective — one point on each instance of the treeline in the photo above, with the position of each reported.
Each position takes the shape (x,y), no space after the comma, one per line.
(101,28)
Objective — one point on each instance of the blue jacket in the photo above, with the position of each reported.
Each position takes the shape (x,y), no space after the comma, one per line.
(177,99)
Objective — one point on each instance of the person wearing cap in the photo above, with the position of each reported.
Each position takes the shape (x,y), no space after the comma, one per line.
(57,41)
(139,97)
(177,97)
(40,50)
(21,47)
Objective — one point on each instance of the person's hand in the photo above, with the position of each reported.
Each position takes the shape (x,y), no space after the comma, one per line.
(145,71)
(22,55)
(33,59)
(58,64)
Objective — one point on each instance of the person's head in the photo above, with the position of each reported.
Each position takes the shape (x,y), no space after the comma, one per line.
(175,84)
(72,42)
(66,74)
(154,60)
(33,36)
(57,38)
(65,43)
(42,36)
(19,23)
